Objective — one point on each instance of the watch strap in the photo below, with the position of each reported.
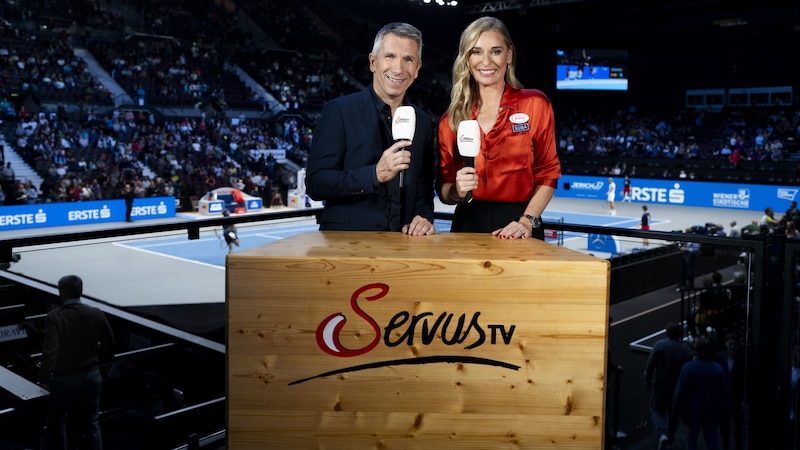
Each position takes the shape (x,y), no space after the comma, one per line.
(536,222)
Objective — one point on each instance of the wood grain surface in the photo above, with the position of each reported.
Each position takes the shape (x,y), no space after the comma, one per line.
(446,341)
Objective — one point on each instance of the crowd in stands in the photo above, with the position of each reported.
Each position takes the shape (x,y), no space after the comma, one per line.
(94,159)
(755,134)
(45,67)
(767,224)
(312,51)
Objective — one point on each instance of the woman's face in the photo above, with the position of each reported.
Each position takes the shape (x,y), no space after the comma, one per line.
(489,59)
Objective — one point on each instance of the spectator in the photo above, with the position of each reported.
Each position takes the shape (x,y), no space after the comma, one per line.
(734,232)
(8,174)
(21,194)
(752,228)
(791,212)
(768,219)
(77,338)
(791,231)
(128,195)
(702,399)
(732,360)
(689,251)
(31,192)
(664,364)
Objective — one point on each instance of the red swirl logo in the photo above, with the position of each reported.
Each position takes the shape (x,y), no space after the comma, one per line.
(329,330)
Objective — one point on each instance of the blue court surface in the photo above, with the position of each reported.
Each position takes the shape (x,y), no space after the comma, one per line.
(212,251)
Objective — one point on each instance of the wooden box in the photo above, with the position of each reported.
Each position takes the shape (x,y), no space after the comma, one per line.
(359,340)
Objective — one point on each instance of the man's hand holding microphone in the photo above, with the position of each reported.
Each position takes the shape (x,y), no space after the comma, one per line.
(396,159)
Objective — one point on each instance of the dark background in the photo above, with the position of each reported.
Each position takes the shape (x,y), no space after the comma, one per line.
(672,45)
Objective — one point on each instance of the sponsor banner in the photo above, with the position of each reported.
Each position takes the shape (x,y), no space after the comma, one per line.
(20,217)
(278,153)
(701,194)
(603,243)
(13,333)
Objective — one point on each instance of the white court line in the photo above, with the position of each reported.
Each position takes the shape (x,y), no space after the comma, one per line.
(645,312)
(177,258)
(182,241)
(269,236)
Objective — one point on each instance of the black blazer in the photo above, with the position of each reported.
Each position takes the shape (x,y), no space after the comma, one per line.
(345,149)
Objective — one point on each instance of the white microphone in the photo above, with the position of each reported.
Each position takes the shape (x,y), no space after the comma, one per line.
(404,123)
(468,139)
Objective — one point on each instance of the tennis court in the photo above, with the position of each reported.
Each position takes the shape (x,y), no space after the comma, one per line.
(211,250)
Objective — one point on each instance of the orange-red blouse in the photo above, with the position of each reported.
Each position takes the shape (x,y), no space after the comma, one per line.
(518,154)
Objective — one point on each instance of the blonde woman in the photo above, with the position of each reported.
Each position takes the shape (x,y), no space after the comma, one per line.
(517,170)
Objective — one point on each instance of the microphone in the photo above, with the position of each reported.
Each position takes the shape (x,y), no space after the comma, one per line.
(404,123)
(469,145)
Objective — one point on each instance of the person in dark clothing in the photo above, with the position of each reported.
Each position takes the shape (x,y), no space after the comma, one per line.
(355,165)
(229,233)
(661,374)
(689,251)
(645,224)
(127,193)
(77,338)
(702,399)
(732,361)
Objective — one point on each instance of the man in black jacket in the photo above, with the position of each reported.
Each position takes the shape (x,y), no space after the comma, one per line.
(77,338)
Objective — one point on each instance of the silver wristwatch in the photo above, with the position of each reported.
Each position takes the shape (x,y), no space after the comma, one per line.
(536,222)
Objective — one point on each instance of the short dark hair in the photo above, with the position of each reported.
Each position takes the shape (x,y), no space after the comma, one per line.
(70,286)
(703,348)
(674,331)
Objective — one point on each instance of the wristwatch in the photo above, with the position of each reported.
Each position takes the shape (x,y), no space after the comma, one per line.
(536,222)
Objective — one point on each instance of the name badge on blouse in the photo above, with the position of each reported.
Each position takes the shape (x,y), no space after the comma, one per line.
(520,128)
(520,121)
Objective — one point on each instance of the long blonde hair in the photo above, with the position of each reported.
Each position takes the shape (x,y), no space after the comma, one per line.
(465,89)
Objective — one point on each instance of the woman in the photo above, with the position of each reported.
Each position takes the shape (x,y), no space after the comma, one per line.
(517,170)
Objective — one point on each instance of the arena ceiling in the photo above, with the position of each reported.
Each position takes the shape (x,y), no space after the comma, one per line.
(617,22)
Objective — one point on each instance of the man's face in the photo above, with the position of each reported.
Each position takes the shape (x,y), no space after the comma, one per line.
(394,68)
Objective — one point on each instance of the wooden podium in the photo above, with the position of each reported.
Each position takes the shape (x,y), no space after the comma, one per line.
(360,340)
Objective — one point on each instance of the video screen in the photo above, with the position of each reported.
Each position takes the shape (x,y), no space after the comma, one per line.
(592,69)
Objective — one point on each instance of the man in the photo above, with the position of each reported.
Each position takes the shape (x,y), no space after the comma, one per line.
(127,194)
(791,212)
(732,361)
(610,196)
(77,338)
(229,233)
(702,399)
(689,251)
(661,374)
(8,173)
(354,165)
(734,231)
(645,224)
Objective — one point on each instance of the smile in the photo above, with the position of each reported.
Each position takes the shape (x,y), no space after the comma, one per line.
(395,80)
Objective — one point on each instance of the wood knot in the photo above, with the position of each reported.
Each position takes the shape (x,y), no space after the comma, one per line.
(418,422)
(569,406)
